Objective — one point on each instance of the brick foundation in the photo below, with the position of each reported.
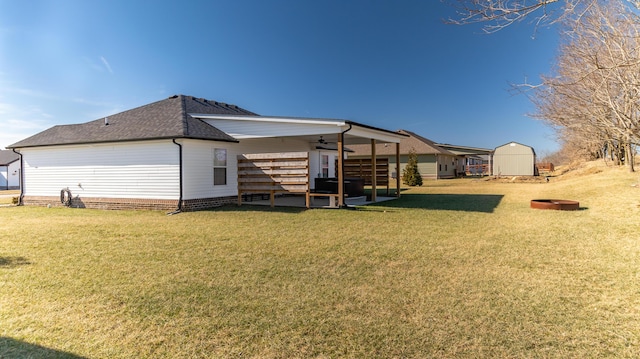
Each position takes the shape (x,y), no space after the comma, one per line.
(130,203)
(206,203)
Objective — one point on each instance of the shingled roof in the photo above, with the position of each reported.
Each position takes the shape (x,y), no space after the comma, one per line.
(419,144)
(7,157)
(165,119)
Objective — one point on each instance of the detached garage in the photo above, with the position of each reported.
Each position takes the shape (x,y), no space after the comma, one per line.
(514,159)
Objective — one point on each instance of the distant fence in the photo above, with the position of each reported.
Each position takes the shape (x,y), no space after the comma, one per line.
(477,170)
(545,167)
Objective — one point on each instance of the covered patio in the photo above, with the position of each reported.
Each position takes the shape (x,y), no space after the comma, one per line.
(264,175)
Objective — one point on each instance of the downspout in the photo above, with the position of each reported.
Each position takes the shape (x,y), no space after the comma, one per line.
(179,209)
(344,204)
(21,177)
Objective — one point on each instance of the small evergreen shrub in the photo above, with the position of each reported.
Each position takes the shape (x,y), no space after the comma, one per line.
(410,174)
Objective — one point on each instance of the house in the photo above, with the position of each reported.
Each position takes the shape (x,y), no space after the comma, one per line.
(475,160)
(9,170)
(514,159)
(179,153)
(434,162)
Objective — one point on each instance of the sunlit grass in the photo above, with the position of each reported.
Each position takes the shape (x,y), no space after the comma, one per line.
(9,197)
(459,268)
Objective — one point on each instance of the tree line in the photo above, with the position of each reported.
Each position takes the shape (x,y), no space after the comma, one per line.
(591,96)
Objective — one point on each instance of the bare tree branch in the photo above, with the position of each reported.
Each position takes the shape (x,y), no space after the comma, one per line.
(498,14)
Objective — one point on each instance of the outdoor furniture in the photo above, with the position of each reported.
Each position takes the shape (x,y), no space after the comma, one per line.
(353,187)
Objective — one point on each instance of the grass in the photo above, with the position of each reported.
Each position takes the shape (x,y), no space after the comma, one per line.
(456,268)
(8,197)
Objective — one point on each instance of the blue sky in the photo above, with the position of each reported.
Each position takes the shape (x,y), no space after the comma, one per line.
(390,64)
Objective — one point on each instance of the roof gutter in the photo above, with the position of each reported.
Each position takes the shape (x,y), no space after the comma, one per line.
(118,141)
(21,176)
(179,209)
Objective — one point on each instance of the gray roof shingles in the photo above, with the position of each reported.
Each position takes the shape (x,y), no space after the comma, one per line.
(165,119)
(7,157)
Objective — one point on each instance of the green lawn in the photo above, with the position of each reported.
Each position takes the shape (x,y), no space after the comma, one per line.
(456,268)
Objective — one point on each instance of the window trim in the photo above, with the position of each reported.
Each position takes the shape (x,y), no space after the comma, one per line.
(218,164)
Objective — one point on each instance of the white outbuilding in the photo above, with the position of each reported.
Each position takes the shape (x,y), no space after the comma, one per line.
(514,159)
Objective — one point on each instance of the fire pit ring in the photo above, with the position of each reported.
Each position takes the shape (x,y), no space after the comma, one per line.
(557,204)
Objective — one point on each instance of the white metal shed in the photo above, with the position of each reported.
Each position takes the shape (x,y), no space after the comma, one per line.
(514,159)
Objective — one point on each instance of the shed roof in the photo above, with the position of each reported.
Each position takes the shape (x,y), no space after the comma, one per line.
(525,148)
(168,118)
(419,144)
(7,157)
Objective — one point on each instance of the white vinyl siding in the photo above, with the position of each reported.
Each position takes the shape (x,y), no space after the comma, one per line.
(148,169)
(13,174)
(198,160)
(10,176)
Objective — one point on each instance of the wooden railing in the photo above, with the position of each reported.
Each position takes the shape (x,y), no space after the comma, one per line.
(273,173)
(362,168)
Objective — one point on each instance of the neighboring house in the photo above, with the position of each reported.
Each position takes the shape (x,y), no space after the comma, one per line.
(514,159)
(179,153)
(434,162)
(9,170)
(475,160)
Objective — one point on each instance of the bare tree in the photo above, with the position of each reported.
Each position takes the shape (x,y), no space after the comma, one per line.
(593,98)
(498,14)
(595,93)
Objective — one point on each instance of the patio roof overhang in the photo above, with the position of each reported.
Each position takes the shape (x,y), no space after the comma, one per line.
(310,129)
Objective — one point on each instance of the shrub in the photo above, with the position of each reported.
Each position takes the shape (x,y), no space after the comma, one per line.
(410,175)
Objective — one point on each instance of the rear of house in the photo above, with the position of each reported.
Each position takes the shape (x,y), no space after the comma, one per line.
(514,159)
(175,154)
(134,159)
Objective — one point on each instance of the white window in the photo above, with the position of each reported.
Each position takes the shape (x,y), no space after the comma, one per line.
(219,166)
(325,166)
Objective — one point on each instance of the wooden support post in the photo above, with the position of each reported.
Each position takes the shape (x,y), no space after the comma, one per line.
(340,170)
(374,172)
(397,169)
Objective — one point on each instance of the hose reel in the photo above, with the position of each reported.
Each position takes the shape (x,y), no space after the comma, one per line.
(65,197)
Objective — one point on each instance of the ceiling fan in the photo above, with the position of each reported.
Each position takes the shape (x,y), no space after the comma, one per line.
(322,141)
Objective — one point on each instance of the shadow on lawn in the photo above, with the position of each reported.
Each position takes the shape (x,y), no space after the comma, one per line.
(486,203)
(256,208)
(13,262)
(12,348)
